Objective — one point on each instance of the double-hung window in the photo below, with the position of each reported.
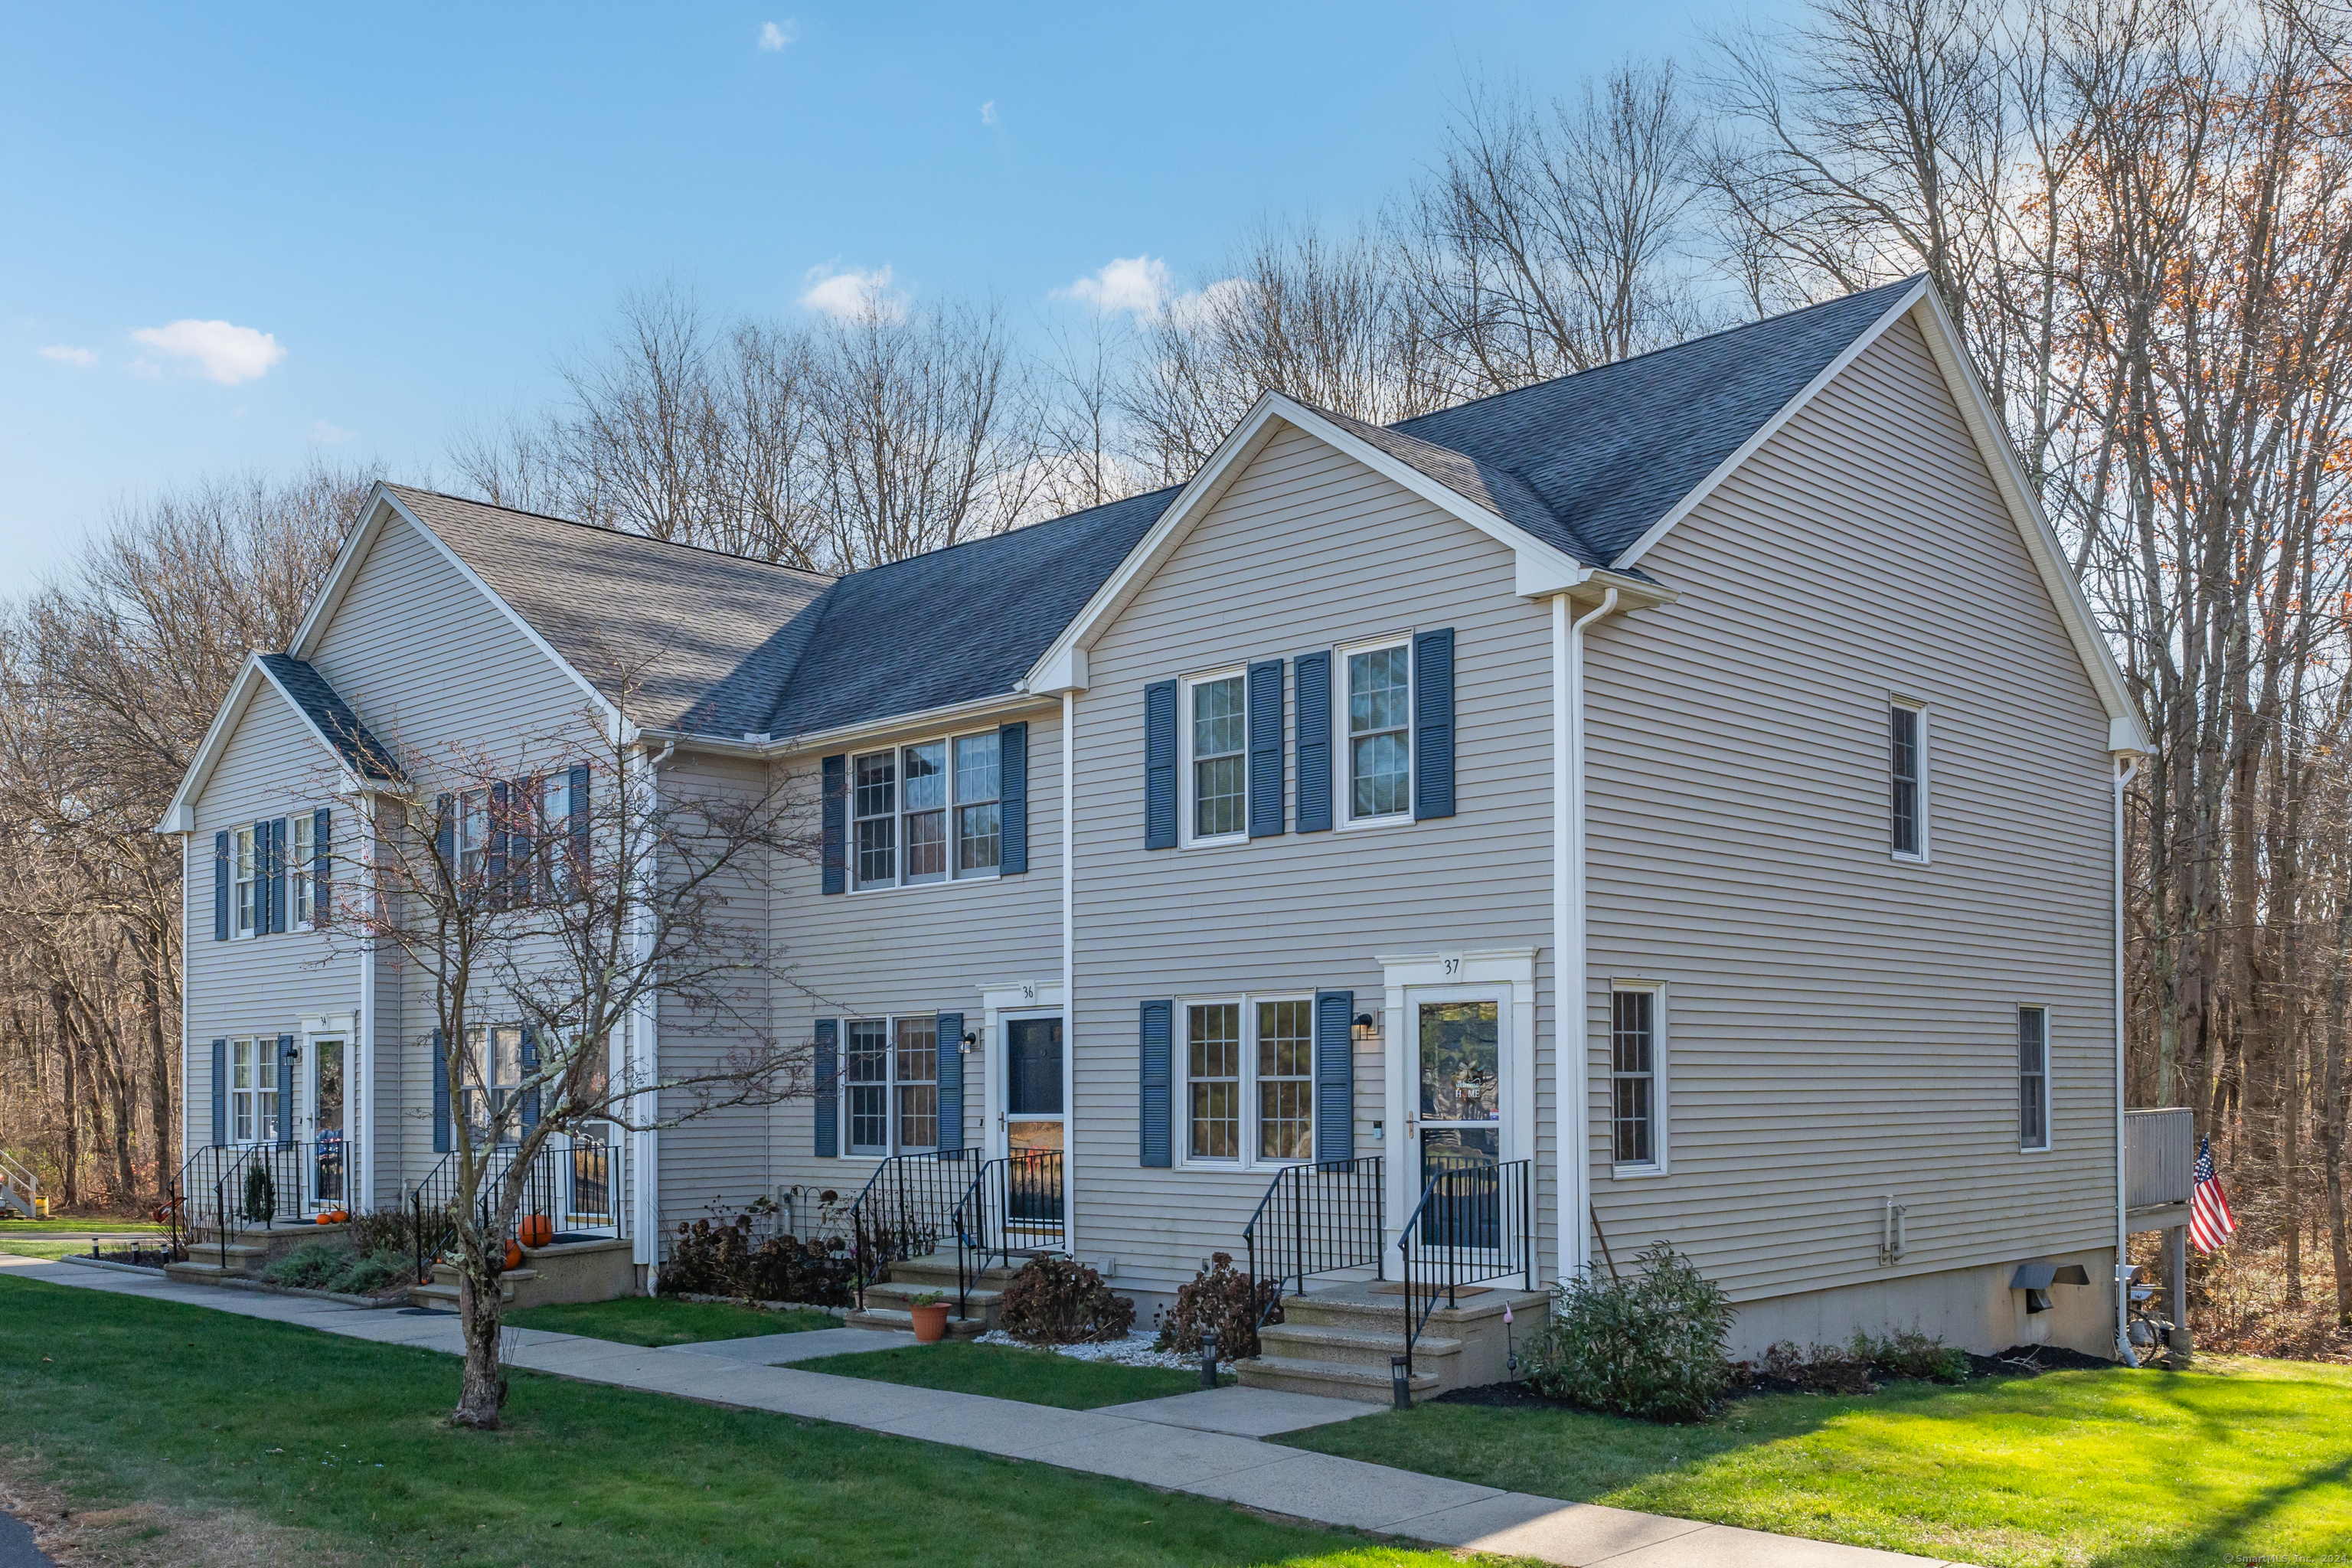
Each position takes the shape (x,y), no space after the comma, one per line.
(2034,1078)
(891,1085)
(298,874)
(1249,1080)
(253,1090)
(1634,1142)
(1907,781)
(551,830)
(473,829)
(1379,732)
(1215,722)
(928,811)
(245,882)
(494,1064)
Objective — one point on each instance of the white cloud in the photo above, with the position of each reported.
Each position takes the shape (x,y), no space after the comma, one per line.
(988,113)
(1136,284)
(222,352)
(775,35)
(844,294)
(84,358)
(1197,309)
(327,434)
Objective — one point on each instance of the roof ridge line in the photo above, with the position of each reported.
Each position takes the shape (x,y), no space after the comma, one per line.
(829,577)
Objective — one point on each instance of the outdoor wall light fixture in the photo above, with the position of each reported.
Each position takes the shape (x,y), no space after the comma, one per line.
(964,1045)
(1364,1026)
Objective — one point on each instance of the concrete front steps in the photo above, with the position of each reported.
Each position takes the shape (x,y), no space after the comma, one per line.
(562,1272)
(886,1303)
(248,1250)
(1336,1341)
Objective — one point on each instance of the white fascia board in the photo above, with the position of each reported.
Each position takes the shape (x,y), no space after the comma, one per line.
(2126,736)
(382,508)
(1770,427)
(180,817)
(954,716)
(1541,570)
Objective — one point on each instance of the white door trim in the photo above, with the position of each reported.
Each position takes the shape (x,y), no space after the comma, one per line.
(1001,1005)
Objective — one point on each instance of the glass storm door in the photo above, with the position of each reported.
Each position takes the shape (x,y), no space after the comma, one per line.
(1458,1112)
(1035,1127)
(327,1120)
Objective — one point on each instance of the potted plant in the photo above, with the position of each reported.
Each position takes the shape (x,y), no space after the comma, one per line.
(929,1312)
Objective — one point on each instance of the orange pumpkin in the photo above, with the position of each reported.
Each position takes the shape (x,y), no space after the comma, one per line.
(334,1216)
(536,1230)
(514,1255)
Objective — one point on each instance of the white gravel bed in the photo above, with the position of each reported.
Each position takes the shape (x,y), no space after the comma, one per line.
(1135,1350)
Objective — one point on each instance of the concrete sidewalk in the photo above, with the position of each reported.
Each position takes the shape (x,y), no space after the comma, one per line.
(1196,1444)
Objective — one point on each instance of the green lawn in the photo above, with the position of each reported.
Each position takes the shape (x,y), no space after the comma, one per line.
(44,1245)
(118,1399)
(657,1320)
(1007,1372)
(84,1228)
(2148,1470)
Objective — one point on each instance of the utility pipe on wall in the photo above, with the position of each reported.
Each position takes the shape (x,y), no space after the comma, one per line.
(1573,1053)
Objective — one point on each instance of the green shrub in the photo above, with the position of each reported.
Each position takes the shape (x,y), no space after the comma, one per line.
(1650,1344)
(372,1271)
(259,1201)
(1910,1352)
(381,1230)
(1059,1301)
(309,1266)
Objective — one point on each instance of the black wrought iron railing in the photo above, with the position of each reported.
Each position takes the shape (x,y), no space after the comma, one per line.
(572,1182)
(226,1188)
(1474,1221)
(1316,1219)
(909,1210)
(1018,1209)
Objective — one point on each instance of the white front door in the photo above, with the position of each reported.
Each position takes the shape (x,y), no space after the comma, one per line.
(329,1085)
(1460,1088)
(1029,1092)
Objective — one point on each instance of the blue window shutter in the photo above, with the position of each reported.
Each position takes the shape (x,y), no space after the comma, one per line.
(835,772)
(220,1093)
(530,1115)
(1154,1123)
(285,1089)
(1265,780)
(828,1091)
(522,840)
(951,1041)
(577,828)
(445,836)
(1432,724)
(268,874)
(1012,785)
(1311,680)
(500,794)
(1335,1075)
(1160,765)
(220,887)
(440,1095)
(323,863)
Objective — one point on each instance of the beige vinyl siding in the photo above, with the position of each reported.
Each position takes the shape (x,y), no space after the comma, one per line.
(272,766)
(1840,1025)
(441,674)
(1307,549)
(910,951)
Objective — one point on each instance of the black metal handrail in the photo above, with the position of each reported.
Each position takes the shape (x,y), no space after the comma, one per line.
(909,1209)
(1474,1221)
(228,1187)
(1017,1207)
(570,1181)
(1315,1219)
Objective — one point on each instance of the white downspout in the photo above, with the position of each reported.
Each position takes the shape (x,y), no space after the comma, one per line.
(646,1161)
(1573,1066)
(363,1074)
(2123,778)
(1069,968)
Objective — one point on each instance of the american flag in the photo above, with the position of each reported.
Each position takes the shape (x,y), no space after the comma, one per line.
(2209,1224)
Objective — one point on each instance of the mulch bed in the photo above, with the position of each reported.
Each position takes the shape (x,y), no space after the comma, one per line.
(2018,1360)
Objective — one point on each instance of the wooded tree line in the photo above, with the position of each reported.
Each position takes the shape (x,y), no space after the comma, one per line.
(2138,210)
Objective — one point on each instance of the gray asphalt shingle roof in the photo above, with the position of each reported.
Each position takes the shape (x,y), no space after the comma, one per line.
(728,646)
(362,753)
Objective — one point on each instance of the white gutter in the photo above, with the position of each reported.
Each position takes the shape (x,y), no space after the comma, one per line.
(2123,778)
(1069,958)
(1573,1052)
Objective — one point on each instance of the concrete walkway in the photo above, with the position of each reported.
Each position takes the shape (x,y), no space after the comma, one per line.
(1186,1444)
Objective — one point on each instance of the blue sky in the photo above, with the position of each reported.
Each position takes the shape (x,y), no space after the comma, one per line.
(236,240)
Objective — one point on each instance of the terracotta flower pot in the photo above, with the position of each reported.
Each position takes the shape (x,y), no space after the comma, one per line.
(930,1322)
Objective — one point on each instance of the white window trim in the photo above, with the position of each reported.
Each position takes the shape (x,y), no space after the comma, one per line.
(1659,1119)
(2049,1075)
(1185,800)
(1924,855)
(1181,1027)
(249,903)
(1343,762)
(897,882)
(889,1021)
(301,886)
(265,1059)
